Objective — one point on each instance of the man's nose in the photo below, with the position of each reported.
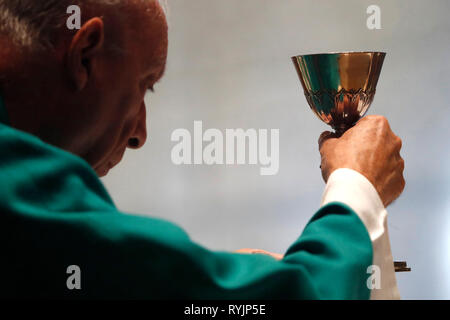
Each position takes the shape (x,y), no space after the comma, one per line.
(139,135)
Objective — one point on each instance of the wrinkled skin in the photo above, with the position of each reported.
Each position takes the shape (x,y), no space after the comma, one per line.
(372,149)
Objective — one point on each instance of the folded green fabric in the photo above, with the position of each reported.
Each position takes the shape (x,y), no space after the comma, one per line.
(55,212)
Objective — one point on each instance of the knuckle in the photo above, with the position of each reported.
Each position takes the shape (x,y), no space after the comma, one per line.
(378,118)
(369,120)
(379,121)
(398,142)
(382,119)
(402,164)
(383,123)
(322,154)
(322,147)
(322,138)
(403,184)
(401,181)
(325,146)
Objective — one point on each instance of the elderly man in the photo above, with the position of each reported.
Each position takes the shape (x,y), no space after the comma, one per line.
(72,101)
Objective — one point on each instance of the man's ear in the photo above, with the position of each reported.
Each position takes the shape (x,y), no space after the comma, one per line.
(85,45)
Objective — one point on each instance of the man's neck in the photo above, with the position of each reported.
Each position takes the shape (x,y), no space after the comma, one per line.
(24,85)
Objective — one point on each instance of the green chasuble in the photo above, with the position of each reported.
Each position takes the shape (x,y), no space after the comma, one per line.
(55,213)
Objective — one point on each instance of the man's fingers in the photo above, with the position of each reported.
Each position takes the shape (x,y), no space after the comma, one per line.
(259,251)
(325,136)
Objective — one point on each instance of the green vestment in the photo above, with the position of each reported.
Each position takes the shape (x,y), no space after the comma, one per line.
(55,213)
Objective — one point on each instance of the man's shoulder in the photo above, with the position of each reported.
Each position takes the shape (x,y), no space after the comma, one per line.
(38,178)
(52,185)
(16,143)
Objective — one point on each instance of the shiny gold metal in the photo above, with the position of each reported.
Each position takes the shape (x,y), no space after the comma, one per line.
(339,87)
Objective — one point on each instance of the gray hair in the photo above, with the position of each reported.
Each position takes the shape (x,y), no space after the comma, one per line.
(35,23)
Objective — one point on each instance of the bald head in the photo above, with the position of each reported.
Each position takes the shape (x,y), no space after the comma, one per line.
(82,90)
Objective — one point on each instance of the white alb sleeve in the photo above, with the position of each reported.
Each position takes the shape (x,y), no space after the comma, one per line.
(353,189)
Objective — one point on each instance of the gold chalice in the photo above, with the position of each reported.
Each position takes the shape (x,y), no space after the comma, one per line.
(339,87)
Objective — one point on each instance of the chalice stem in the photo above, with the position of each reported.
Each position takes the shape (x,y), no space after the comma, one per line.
(339,132)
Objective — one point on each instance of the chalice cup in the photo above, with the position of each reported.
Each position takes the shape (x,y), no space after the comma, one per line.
(339,87)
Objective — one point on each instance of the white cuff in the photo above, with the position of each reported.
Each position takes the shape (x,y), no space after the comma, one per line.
(353,189)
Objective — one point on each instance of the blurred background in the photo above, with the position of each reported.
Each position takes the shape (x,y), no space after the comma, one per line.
(229,66)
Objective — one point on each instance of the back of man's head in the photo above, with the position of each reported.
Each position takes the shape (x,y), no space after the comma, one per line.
(82,89)
(36,23)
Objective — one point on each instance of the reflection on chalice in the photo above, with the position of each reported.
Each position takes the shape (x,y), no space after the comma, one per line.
(340,88)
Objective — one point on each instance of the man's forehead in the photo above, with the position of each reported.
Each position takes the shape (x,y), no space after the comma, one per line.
(148,19)
(153,50)
(148,34)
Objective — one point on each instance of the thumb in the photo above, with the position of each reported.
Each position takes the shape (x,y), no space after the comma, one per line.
(325,136)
